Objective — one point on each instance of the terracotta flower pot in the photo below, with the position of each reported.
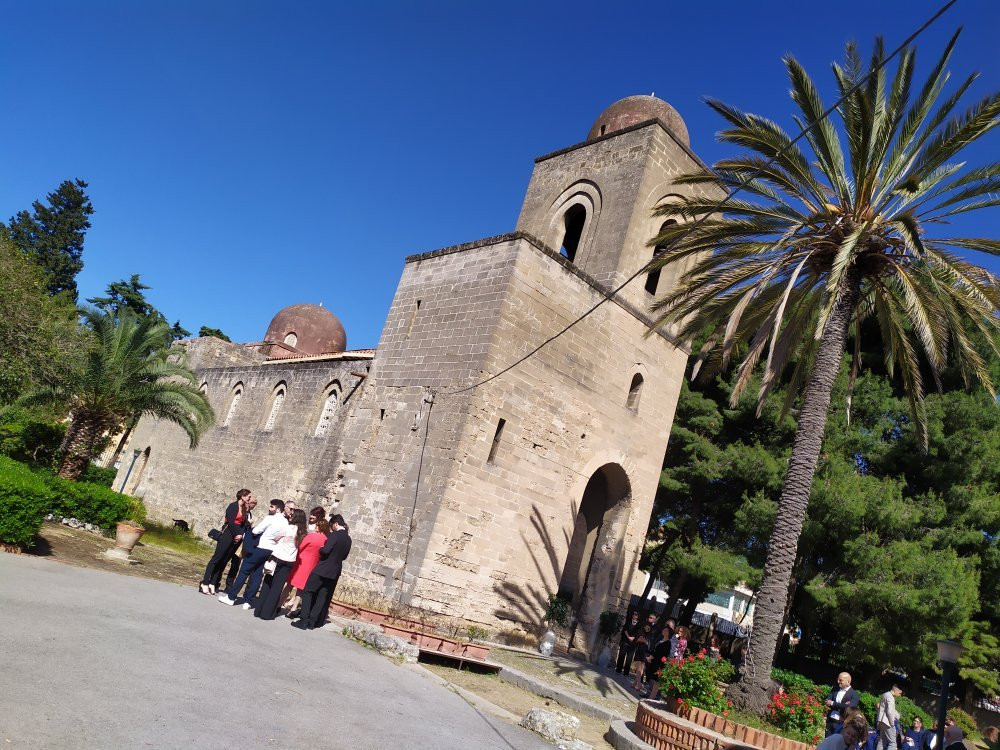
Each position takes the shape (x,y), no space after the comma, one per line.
(126,536)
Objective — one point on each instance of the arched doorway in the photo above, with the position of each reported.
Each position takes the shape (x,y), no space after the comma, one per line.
(594,559)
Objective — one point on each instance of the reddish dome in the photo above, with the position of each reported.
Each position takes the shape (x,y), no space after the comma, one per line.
(632,110)
(306,330)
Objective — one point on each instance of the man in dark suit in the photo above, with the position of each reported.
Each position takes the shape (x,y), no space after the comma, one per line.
(322,582)
(840,699)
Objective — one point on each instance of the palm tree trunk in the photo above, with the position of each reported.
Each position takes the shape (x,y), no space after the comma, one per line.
(752,692)
(121,443)
(81,438)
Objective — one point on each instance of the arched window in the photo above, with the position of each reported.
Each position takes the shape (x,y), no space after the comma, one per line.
(276,402)
(291,339)
(634,392)
(329,409)
(574,221)
(237,395)
(653,278)
(203,387)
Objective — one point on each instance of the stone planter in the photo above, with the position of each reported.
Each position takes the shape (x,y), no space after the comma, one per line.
(372,615)
(476,651)
(126,536)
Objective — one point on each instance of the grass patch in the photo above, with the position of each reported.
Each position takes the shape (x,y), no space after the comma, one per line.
(171,537)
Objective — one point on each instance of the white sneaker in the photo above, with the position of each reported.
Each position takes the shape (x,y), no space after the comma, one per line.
(226,600)
(246,605)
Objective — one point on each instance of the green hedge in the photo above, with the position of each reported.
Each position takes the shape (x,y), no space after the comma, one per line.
(99,475)
(25,498)
(41,492)
(92,503)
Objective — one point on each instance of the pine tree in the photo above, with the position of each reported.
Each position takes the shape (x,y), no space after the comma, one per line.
(53,234)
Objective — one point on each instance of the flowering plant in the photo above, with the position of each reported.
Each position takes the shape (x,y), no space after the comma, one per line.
(694,681)
(800,714)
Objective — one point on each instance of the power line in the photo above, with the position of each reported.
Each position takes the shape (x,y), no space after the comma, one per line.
(739,188)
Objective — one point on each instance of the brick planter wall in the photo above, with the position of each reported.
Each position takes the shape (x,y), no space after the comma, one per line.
(701,730)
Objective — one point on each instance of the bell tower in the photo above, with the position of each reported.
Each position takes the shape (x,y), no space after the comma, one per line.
(593,202)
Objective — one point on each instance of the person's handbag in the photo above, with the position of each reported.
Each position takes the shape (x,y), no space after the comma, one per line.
(214,535)
(270,566)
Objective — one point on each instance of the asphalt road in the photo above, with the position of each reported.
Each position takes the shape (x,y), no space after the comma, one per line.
(91,659)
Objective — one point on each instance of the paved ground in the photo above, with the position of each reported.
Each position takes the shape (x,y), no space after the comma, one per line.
(91,659)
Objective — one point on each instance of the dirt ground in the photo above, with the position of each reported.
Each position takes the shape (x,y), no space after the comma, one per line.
(517,700)
(85,549)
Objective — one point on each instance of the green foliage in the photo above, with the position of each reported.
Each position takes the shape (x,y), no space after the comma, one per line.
(800,715)
(694,680)
(132,371)
(169,536)
(95,474)
(206,331)
(908,709)
(24,500)
(129,295)
(964,721)
(41,341)
(799,684)
(476,633)
(29,437)
(868,703)
(92,503)
(557,611)
(52,235)
(610,623)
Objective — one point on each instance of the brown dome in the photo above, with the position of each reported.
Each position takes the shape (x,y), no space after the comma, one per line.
(306,330)
(632,110)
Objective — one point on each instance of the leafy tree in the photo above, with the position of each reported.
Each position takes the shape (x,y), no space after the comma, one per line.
(129,295)
(41,340)
(825,244)
(125,295)
(53,234)
(206,331)
(131,371)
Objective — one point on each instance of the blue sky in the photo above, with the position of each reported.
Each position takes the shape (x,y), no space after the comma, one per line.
(244,156)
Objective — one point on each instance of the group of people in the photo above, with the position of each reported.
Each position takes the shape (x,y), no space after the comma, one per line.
(287,560)
(847,727)
(648,647)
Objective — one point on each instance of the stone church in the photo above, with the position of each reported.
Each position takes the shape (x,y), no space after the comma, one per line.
(471,489)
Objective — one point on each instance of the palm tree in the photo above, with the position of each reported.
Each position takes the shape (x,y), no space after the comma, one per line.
(131,371)
(823,243)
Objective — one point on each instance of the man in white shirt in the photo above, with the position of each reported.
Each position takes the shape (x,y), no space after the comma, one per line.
(842,698)
(886,718)
(268,532)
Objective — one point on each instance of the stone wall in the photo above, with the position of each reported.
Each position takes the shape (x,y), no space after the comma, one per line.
(488,539)
(287,461)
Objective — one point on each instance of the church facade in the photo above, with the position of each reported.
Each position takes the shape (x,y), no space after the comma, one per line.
(477,480)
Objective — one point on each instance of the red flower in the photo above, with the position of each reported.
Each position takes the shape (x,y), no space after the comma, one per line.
(726,712)
(663,659)
(701,655)
(791,711)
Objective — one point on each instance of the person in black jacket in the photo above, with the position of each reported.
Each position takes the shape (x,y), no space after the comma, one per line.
(231,534)
(627,644)
(322,582)
(841,698)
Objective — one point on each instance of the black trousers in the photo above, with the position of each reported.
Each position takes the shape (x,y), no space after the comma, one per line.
(223,551)
(626,651)
(316,597)
(234,568)
(269,599)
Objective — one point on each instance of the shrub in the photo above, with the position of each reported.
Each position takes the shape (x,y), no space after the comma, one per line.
(799,714)
(908,709)
(611,623)
(476,633)
(29,438)
(92,503)
(24,501)
(694,680)
(99,475)
(964,722)
(797,683)
(868,703)
(558,610)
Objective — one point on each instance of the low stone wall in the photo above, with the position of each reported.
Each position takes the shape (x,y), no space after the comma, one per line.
(702,730)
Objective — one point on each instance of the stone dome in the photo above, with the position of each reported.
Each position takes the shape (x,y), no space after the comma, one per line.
(309,330)
(632,110)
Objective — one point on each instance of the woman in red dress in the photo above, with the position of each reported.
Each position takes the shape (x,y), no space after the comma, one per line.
(307,558)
